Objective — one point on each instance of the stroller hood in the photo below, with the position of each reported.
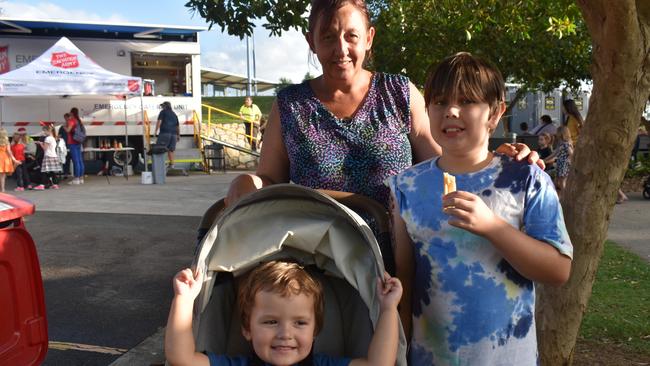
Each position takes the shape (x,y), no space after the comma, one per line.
(290,221)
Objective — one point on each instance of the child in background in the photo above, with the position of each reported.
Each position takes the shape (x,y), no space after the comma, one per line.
(468,259)
(51,164)
(18,144)
(281,312)
(545,149)
(7,159)
(561,157)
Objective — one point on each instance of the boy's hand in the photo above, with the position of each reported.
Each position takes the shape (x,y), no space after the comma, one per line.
(469,212)
(187,284)
(389,291)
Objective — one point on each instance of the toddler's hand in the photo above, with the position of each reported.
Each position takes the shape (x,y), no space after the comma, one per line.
(389,291)
(469,212)
(187,284)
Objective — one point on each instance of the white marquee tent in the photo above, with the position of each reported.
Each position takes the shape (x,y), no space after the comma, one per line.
(65,70)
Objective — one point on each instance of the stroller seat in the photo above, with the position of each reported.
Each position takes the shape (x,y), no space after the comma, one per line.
(291,222)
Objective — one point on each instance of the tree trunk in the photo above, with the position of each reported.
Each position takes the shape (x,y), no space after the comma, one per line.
(620,32)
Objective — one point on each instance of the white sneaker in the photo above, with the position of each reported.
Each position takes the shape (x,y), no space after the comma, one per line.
(81,180)
(74,181)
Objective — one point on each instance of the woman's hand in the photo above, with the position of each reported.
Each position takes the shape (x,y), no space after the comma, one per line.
(519,151)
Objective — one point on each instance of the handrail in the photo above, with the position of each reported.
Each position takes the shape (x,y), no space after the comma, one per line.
(249,137)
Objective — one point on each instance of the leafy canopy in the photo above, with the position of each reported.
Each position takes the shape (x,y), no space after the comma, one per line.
(540,44)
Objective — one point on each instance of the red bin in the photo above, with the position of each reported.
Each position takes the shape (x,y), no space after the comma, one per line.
(23,322)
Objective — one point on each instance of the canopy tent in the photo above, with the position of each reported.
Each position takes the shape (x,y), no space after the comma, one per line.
(65,70)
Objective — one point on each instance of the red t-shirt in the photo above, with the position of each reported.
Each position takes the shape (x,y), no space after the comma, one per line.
(19,151)
(72,123)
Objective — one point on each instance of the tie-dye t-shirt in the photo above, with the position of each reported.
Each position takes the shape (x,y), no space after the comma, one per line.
(352,155)
(470,307)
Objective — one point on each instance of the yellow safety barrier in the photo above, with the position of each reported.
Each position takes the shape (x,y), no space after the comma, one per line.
(146,130)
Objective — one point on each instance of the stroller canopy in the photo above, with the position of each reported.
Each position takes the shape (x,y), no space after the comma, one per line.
(289,221)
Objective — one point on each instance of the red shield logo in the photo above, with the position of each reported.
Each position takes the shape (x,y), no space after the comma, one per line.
(134,85)
(64,60)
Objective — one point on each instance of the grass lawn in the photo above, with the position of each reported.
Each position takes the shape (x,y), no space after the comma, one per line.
(619,308)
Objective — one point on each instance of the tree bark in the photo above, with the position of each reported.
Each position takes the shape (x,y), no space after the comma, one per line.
(620,32)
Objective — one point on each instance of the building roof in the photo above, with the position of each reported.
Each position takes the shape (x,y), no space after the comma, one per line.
(230,80)
(80,29)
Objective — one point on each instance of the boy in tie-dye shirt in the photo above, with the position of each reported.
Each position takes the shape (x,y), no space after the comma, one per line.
(468,259)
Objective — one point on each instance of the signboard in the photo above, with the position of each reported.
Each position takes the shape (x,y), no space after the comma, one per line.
(4,59)
(549,103)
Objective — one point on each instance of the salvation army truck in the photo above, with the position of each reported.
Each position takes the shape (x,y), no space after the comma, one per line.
(163,60)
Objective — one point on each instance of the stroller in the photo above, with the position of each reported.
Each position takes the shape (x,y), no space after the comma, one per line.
(288,221)
(646,188)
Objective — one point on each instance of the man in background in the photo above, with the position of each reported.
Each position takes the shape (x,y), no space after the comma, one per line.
(251,115)
(168,130)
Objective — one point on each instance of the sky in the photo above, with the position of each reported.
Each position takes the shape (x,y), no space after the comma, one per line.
(276,57)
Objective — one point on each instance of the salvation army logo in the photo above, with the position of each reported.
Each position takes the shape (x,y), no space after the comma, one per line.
(64,60)
(133,85)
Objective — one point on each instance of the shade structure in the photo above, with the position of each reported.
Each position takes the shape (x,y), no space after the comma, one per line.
(65,70)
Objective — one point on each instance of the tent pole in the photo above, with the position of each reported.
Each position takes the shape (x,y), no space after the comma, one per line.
(126,139)
(144,130)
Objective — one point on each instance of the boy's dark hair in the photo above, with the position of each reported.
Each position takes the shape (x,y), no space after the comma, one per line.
(284,278)
(465,76)
(546,119)
(523,126)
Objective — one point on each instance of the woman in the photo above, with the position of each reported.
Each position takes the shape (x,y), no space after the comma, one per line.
(348,129)
(72,123)
(573,120)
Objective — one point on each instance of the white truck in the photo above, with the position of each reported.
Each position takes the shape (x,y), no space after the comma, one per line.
(166,57)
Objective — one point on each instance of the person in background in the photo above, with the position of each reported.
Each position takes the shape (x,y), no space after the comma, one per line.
(251,115)
(545,126)
(573,120)
(51,164)
(7,160)
(18,150)
(523,126)
(545,149)
(75,147)
(562,157)
(64,136)
(168,130)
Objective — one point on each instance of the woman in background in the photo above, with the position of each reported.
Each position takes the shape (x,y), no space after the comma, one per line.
(574,120)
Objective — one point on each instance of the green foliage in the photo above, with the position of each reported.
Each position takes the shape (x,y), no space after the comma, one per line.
(639,168)
(284,82)
(237,16)
(618,310)
(540,44)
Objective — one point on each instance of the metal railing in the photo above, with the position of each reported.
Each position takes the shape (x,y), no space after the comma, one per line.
(251,138)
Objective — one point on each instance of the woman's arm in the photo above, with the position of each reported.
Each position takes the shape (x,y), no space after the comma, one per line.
(273,167)
(404,266)
(423,145)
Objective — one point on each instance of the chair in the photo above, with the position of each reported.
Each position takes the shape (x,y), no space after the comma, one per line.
(215,157)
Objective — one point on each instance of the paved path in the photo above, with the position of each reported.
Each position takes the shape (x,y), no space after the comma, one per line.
(630,225)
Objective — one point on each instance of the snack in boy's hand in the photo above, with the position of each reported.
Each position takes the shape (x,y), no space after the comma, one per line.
(449,182)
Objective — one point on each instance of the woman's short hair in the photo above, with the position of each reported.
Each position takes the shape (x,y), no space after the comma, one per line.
(324,10)
(285,279)
(465,76)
